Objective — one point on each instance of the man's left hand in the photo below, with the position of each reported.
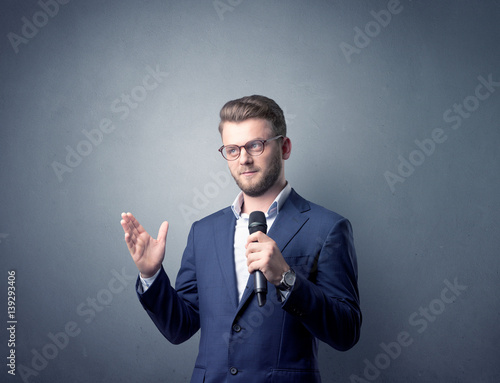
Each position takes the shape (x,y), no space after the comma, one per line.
(263,254)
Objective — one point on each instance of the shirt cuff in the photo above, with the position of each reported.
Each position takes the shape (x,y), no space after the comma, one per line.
(282,294)
(146,282)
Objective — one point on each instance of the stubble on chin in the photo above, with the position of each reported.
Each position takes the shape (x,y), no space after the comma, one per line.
(262,185)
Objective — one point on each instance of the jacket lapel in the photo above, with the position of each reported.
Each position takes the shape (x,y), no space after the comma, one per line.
(289,220)
(223,234)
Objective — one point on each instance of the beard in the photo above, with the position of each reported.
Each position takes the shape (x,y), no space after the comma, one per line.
(267,180)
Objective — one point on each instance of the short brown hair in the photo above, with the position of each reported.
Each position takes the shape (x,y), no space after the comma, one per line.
(254,106)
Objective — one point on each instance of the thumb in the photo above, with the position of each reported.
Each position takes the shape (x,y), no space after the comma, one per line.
(162,232)
(254,237)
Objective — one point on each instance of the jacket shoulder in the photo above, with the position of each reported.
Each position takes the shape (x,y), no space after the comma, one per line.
(313,209)
(225,213)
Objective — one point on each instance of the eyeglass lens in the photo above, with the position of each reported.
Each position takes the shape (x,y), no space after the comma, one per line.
(253,148)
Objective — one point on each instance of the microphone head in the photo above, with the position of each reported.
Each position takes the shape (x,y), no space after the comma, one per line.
(257,222)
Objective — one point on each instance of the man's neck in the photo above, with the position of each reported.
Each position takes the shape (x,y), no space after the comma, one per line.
(263,202)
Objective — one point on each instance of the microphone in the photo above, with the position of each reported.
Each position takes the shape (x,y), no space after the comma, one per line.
(257,222)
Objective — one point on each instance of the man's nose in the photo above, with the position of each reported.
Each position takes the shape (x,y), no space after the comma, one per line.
(245,158)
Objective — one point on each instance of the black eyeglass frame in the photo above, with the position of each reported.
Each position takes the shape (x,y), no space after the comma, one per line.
(221,149)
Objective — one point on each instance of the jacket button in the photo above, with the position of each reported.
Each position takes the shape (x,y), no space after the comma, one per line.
(233,370)
(237,328)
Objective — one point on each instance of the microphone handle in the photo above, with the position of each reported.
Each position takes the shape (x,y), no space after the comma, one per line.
(257,222)
(260,287)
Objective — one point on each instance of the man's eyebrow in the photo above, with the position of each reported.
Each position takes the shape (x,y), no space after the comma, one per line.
(253,139)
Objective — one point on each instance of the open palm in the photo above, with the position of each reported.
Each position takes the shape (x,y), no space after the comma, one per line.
(147,252)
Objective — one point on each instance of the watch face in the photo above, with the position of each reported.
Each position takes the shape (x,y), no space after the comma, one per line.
(290,278)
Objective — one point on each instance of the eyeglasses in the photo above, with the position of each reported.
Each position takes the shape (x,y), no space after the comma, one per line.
(253,148)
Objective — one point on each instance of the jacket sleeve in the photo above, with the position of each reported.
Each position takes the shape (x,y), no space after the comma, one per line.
(327,301)
(174,311)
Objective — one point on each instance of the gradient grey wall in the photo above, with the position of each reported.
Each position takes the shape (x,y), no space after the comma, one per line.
(394,121)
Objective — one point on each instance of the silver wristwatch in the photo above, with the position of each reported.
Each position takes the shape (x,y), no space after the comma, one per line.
(287,280)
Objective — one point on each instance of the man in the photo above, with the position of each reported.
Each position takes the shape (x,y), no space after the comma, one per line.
(307,258)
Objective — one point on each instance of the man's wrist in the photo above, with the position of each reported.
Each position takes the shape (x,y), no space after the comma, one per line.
(287,280)
(147,282)
(147,276)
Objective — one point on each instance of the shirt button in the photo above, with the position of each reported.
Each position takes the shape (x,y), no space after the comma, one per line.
(233,370)
(237,328)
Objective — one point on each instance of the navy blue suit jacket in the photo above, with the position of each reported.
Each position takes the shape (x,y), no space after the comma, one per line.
(240,341)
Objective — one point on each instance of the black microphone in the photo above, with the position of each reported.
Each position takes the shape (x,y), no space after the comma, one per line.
(257,222)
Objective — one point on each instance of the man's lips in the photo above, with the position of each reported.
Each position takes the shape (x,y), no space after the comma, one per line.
(248,172)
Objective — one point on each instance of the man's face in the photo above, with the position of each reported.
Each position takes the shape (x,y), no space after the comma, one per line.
(254,175)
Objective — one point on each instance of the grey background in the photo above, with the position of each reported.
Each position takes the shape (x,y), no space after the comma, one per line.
(349,119)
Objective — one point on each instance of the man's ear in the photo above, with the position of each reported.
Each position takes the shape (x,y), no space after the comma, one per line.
(286,148)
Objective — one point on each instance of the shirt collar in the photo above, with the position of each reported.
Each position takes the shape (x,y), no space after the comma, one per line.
(273,209)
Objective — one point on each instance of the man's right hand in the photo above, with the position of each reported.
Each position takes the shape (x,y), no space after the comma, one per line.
(147,252)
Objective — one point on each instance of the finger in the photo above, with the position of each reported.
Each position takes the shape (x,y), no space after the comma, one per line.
(126,223)
(132,234)
(253,253)
(130,245)
(129,231)
(258,236)
(134,224)
(162,232)
(126,230)
(125,217)
(129,242)
(255,265)
(252,247)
